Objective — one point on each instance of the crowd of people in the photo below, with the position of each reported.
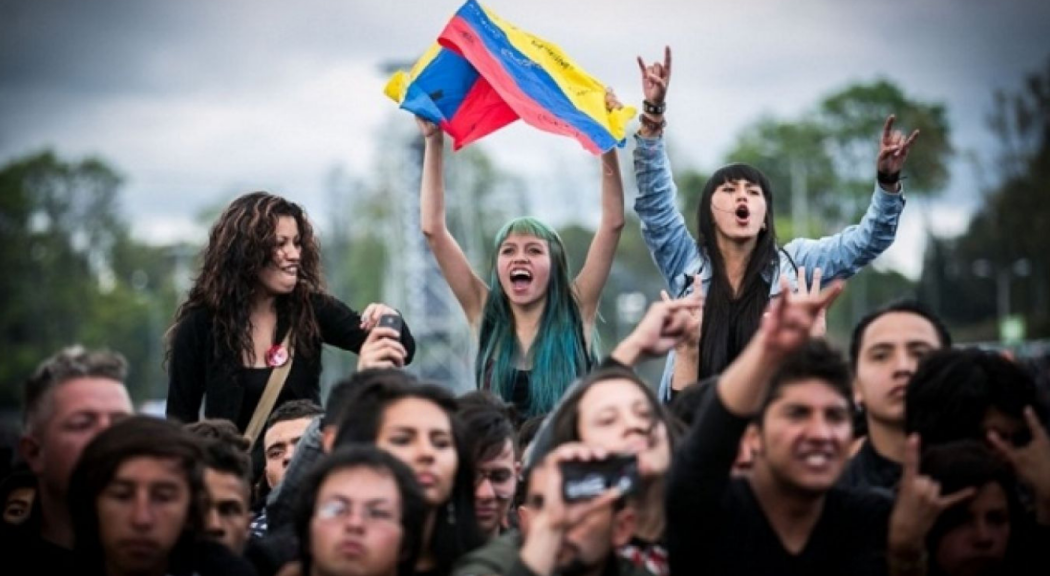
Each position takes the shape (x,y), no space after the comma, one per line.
(763,450)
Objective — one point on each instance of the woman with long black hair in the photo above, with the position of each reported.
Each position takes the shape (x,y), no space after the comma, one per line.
(736,254)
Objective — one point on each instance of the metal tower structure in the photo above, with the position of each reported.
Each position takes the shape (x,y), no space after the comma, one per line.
(445,347)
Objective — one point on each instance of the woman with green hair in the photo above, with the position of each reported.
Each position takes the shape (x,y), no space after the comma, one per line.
(535,324)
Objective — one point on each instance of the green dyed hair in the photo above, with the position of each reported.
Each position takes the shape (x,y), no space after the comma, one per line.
(559,352)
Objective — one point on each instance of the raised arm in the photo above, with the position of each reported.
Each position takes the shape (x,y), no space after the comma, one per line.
(663,227)
(842,255)
(468,288)
(595,271)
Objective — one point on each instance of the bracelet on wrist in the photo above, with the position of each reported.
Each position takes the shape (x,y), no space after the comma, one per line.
(652,124)
(651,108)
(888,178)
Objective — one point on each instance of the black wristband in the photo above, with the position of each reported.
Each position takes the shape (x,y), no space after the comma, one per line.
(651,108)
(888,179)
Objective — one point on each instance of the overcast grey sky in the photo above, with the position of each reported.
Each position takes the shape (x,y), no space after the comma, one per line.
(195,100)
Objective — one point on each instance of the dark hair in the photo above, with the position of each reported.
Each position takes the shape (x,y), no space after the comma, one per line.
(963,464)
(455,530)
(952,390)
(486,425)
(219,429)
(135,437)
(528,430)
(816,359)
(341,392)
(294,410)
(413,503)
(67,364)
(903,306)
(223,457)
(722,308)
(565,421)
(240,246)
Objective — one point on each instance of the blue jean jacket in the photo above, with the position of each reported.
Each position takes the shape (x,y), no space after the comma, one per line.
(675,253)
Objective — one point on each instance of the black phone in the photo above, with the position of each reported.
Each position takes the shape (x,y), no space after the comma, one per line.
(585,480)
(391,321)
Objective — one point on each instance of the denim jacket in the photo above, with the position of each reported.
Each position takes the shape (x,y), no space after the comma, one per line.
(674,250)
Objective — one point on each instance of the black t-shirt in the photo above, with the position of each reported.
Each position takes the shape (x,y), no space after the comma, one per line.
(869,470)
(715,524)
(25,552)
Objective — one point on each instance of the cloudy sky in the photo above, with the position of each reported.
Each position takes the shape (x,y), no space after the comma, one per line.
(196,100)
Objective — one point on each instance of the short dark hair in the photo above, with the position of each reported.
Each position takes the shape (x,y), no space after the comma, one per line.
(413,504)
(134,437)
(228,459)
(294,410)
(487,426)
(528,430)
(907,306)
(219,429)
(67,364)
(340,393)
(952,390)
(816,359)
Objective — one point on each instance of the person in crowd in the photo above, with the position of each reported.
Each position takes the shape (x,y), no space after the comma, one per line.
(958,514)
(492,445)
(17,493)
(227,478)
(416,423)
(258,303)
(736,254)
(884,352)
(70,398)
(361,513)
(558,536)
(787,516)
(534,323)
(963,394)
(220,430)
(284,430)
(137,501)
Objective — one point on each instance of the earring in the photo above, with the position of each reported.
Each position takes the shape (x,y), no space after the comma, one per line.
(451,513)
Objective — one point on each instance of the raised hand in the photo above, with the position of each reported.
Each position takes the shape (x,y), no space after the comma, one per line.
(820,325)
(692,329)
(1030,462)
(428,129)
(664,326)
(656,77)
(611,101)
(787,324)
(893,148)
(919,503)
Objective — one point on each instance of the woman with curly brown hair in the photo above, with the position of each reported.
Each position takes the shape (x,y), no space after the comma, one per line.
(258,303)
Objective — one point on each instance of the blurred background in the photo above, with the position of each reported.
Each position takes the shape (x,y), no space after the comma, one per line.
(126,127)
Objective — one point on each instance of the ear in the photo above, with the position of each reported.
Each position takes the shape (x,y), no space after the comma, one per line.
(858,395)
(328,438)
(32,452)
(524,520)
(624,523)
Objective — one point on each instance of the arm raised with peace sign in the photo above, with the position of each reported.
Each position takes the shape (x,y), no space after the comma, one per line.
(893,151)
(919,503)
(655,79)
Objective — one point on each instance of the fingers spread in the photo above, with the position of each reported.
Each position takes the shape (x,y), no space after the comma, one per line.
(888,127)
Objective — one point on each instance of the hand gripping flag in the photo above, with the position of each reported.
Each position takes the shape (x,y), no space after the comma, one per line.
(484,74)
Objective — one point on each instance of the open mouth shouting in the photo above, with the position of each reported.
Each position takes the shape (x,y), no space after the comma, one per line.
(520,279)
(743,214)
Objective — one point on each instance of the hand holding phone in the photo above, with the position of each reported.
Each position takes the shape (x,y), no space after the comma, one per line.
(392,321)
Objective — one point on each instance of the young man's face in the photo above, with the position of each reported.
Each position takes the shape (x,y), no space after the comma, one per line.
(890,350)
(356,527)
(141,514)
(229,514)
(279,444)
(803,441)
(495,483)
(77,411)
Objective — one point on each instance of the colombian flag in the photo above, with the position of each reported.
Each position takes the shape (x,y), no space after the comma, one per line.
(484,74)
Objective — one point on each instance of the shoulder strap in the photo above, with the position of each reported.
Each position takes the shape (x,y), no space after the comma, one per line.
(269,396)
